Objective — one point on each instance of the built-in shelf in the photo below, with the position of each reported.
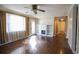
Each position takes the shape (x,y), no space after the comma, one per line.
(47,29)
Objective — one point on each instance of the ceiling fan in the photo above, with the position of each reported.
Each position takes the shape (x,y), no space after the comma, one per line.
(35,8)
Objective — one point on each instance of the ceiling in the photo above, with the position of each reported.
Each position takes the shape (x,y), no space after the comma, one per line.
(51,9)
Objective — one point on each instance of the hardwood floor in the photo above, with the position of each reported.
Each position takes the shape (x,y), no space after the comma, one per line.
(38,45)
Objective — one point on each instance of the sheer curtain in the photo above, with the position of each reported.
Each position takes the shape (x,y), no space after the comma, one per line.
(15,27)
(15,23)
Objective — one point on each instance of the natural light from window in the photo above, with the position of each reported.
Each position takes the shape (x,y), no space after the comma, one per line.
(14,23)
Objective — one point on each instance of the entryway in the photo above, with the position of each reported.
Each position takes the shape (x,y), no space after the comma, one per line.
(60,24)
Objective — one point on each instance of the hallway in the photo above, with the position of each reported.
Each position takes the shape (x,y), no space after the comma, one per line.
(38,45)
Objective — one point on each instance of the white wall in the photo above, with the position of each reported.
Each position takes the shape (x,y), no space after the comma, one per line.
(77,45)
(69,27)
(52,11)
(71,30)
(48,16)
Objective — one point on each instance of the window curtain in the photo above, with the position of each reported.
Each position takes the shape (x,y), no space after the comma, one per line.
(27,26)
(2,27)
(12,36)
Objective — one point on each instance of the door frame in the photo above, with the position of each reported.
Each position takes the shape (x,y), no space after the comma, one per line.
(57,18)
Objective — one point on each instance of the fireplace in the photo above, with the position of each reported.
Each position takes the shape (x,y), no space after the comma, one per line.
(43,32)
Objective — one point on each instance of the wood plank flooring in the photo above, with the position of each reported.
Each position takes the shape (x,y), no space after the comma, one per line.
(38,45)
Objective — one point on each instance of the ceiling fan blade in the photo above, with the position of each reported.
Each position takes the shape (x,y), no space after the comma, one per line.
(34,6)
(41,10)
(35,11)
(27,7)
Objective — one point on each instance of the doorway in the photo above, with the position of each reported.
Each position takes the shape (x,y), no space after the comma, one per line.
(33,26)
(60,24)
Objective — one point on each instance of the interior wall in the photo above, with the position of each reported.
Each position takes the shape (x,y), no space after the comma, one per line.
(77,45)
(48,17)
(74,28)
(69,26)
(48,21)
(71,31)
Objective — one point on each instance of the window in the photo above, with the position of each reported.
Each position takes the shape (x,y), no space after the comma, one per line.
(14,23)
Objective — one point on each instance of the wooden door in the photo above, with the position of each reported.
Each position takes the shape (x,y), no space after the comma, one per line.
(60,24)
(56,22)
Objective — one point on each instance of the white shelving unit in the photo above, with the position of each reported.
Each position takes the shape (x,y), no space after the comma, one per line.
(47,28)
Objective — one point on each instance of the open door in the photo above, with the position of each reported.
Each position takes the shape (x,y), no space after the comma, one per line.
(60,24)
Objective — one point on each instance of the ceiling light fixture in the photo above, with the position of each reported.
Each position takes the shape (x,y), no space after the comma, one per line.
(62,19)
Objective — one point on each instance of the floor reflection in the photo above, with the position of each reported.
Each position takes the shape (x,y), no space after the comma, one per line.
(61,51)
(37,45)
(20,50)
(33,42)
